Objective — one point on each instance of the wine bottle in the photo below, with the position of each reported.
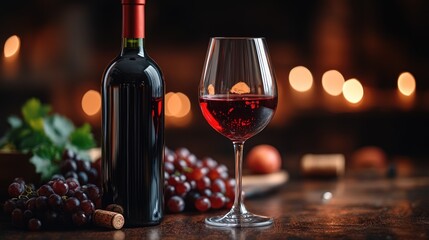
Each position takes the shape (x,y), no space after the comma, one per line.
(133,126)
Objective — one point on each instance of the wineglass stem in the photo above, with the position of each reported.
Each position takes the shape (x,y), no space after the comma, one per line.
(238,206)
(238,216)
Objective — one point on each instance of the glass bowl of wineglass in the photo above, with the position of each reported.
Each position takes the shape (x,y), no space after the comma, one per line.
(238,98)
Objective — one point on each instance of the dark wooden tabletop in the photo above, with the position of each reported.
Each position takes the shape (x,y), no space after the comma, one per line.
(360,208)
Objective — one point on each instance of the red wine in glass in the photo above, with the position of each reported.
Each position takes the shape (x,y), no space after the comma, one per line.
(238,117)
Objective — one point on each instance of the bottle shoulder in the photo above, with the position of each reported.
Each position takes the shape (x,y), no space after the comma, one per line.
(133,62)
(133,67)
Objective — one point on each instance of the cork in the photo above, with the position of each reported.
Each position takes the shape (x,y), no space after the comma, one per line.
(108,219)
(323,165)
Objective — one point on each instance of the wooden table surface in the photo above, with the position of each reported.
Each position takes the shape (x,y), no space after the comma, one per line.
(360,208)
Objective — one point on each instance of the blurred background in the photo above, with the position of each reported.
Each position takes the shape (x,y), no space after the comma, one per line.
(351,74)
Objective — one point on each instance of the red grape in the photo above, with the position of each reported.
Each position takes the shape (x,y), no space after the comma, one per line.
(41,203)
(82,177)
(197,173)
(209,162)
(213,174)
(45,190)
(55,201)
(71,205)
(203,183)
(169,191)
(218,186)
(202,204)
(229,202)
(17,217)
(92,175)
(73,184)
(79,218)
(174,180)
(83,166)
(87,207)
(80,195)
(60,187)
(19,180)
(15,189)
(34,224)
(93,192)
(169,157)
(181,165)
(191,159)
(69,154)
(71,174)
(68,165)
(58,177)
(183,188)
(207,192)
(28,214)
(182,153)
(9,206)
(217,200)
(20,203)
(169,167)
(176,204)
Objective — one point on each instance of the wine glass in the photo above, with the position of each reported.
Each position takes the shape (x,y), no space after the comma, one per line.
(238,98)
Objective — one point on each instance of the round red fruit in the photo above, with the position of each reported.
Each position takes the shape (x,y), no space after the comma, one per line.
(217,200)
(176,204)
(264,159)
(202,204)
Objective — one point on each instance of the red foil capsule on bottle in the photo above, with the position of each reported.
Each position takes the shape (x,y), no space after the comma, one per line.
(133,18)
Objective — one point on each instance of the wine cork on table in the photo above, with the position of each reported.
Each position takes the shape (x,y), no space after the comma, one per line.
(108,219)
(323,165)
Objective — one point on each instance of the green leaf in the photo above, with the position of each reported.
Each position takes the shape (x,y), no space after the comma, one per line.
(14,121)
(28,140)
(82,138)
(11,136)
(48,151)
(44,166)
(57,129)
(46,136)
(33,112)
(43,159)
(4,144)
(80,153)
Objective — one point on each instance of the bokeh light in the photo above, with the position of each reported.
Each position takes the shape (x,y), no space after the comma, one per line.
(353,90)
(11,46)
(177,105)
(406,83)
(332,82)
(91,102)
(300,78)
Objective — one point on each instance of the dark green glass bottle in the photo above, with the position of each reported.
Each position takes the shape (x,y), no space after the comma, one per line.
(133,126)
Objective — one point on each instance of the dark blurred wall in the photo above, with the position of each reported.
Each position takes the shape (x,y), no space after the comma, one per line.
(65,46)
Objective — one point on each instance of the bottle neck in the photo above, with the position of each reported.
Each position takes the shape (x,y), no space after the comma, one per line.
(133,46)
(133,28)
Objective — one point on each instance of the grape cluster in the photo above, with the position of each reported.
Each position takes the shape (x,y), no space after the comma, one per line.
(60,203)
(68,199)
(192,184)
(74,167)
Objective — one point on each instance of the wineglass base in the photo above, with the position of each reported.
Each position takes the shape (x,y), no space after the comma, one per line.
(238,221)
